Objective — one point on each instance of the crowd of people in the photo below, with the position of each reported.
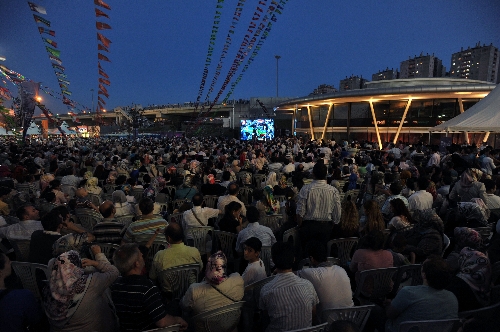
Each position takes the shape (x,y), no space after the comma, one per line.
(404,204)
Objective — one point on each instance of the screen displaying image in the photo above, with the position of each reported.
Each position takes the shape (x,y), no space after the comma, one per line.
(260,129)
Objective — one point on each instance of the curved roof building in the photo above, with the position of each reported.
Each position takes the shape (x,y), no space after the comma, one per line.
(390,110)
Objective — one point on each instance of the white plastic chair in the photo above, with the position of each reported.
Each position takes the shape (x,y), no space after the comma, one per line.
(179,278)
(27,273)
(344,246)
(200,237)
(358,315)
(22,249)
(444,325)
(225,318)
(210,201)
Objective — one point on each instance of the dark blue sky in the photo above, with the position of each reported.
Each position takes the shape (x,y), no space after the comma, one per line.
(159,47)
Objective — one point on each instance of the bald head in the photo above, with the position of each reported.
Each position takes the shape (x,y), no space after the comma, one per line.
(81,193)
(107,209)
(174,233)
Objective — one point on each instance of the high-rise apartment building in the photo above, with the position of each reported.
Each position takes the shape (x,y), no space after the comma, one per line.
(324,89)
(352,83)
(477,63)
(422,66)
(387,74)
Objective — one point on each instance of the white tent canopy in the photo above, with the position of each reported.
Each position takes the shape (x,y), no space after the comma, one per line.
(482,117)
(4,132)
(66,130)
(33,129)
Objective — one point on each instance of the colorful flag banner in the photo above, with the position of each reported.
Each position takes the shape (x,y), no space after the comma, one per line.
(56,66)
(102,48)
(102,57)
(105,41)
(50,42)
(102,4)
(53,51)
(55,59)
(47,31)
(104,81)
(39,19)
(102,26)
(100,13)
(37,8)
(103,73)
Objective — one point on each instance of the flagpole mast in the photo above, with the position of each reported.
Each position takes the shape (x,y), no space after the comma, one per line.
(92,99)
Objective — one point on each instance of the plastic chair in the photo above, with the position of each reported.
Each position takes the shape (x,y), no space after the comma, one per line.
(318,328)
(88,218)
(68,190)
(280,198)
(126,220)
(225,318)
(344,246)
(176,203)
(27,273)
(382,282)
(200,237)
(23,188)
(171,328)
(291,233)
(21,248)
(245,194)
(444,325)
(107,249)
(446,243)
(178,217)
(259,180)
(478,313)
(171,191)
(411,272)
(357,315)
(157,245)
(273,221)
(137,193)
(210,201)
(239,175)
(95,199)
(265,255)
(161,198)
(179,278)
(225,241)
(255,288)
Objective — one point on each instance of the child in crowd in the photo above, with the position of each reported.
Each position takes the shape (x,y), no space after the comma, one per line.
(255,270)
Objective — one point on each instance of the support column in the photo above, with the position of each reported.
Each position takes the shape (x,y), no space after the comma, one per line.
(376,125)
(326,121)
(349,106)
(461,105)
(402,121)
(486,136)
(310,122)
(294,118)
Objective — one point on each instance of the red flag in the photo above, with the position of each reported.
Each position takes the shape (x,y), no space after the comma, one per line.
(102,57)
(102,26)
(101,100)
(102,48)
(105,41)
(100,106)
(104,81)
(102,88)
(43,30)
(99,13)
(102,4)
(103,73)
(103,93)
(99,65)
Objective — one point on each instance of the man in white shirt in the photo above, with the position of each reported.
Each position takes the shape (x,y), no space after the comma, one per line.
(488,165)
(435,159)
(330,281)
(29,222)
(289,167)
(421,199)
(197,216)
(255,270)
(233,190)
(492,201)
(263,233)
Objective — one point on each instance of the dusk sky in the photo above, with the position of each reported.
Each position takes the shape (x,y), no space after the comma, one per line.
(159,47)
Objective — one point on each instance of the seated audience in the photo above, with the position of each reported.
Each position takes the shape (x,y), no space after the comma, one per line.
(108,230)
(140,231)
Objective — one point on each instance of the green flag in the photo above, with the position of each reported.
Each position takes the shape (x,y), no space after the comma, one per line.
(53,51)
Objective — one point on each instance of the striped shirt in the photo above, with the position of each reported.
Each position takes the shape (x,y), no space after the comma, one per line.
(289,302)
(109,231)
(142,230)
(138,303)
(263,233)
(319,201)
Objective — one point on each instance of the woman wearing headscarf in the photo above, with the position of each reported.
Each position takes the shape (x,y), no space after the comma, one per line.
(122,206)
(92,187)
(45,180)
(216,290)
(271,180)
(464,237)
(473,213)
(472,284)
(76,301)
(468,188)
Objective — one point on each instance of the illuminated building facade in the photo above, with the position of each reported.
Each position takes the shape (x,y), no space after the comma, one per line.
(477,63)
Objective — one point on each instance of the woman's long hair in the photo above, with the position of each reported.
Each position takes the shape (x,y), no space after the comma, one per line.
(399,209)
(374,218)
(349,218)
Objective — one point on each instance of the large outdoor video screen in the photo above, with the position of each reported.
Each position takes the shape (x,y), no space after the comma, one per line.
(260,129)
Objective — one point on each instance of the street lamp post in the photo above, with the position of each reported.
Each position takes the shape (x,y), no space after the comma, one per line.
(277,59)
(92,99)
